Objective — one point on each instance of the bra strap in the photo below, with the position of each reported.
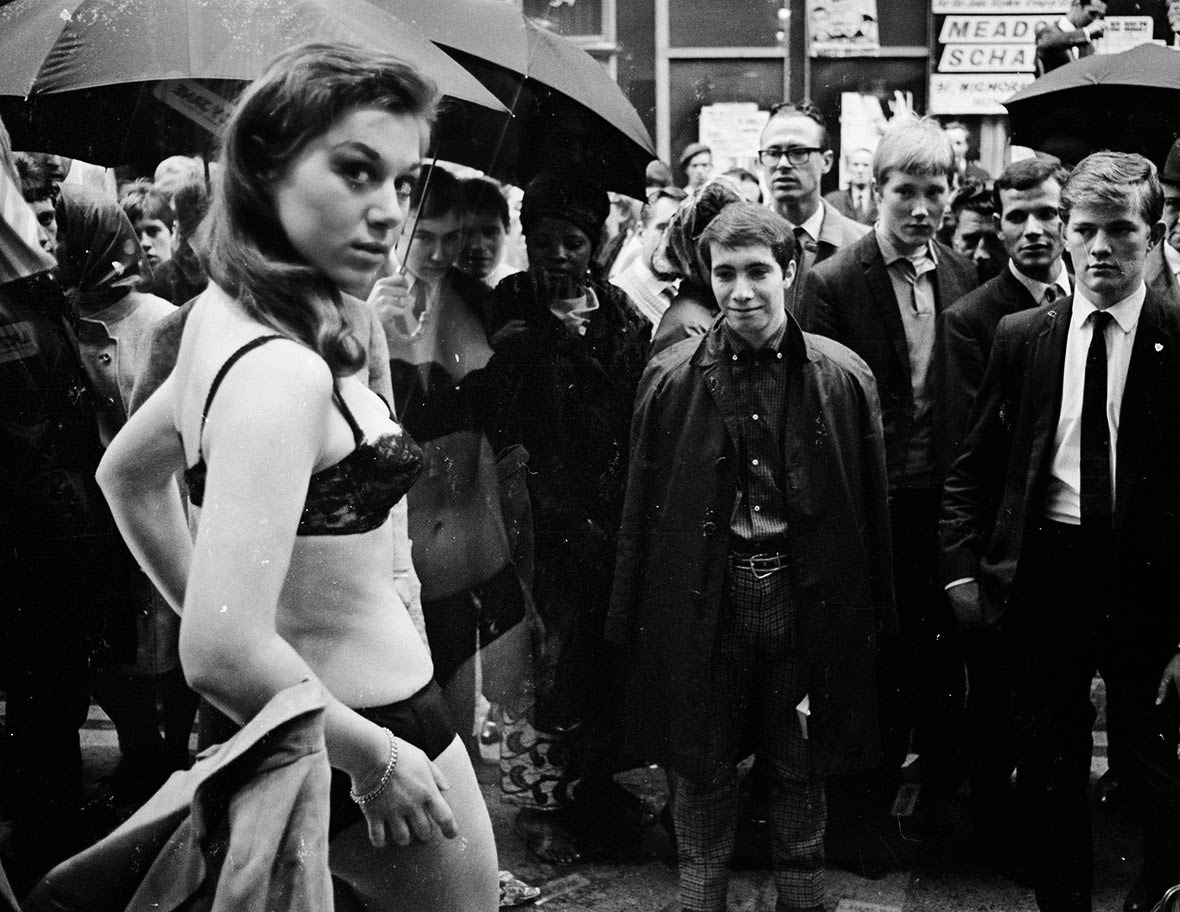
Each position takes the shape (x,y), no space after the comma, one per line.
(358,436)
(224,369)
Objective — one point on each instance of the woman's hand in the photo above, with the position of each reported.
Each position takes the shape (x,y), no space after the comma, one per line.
(394,305)
(411,806)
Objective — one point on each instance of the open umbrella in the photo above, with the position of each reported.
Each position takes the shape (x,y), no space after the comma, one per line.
(93,78)
(569,115)
(1128,102)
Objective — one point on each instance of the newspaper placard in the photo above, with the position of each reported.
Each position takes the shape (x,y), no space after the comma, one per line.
(1123,33)
(842,28)
(205,108)
(732,130)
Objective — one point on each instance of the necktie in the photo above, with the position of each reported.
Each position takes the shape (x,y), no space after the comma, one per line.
(1096,499)
(1052,293)
(418,293)
(919,299)
(803,241)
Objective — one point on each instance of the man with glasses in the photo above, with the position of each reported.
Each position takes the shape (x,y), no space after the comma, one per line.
(795,155)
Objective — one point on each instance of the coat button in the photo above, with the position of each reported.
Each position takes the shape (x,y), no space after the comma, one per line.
(708,528)
(104,358)
(722,463)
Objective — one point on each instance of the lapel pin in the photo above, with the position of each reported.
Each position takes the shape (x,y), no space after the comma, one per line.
(1159,346)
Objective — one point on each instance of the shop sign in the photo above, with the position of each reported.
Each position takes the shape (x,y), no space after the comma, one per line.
(981,47)
(1042,7)
(974,93)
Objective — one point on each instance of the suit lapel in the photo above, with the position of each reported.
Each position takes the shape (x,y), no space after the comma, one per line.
(1042,386)
(1152,350)
(881,291)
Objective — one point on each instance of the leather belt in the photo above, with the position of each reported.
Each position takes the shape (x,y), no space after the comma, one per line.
(761,565)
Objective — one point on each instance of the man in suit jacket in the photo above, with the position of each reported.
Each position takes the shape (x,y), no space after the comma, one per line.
(879,296)
(1027,197)
(856,201)
(1061,515)
(796,153)
(1071,37)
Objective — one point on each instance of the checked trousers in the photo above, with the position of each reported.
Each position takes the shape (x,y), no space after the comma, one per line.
(754,686)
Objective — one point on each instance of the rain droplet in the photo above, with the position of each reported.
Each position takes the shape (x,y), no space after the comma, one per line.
(65,15)
(224,609)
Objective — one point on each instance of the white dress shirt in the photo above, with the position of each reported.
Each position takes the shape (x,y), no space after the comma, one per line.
(1063,502)
(1037,288)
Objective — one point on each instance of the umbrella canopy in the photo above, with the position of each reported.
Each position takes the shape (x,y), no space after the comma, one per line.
(569,113)
(1128,102)
(81,67)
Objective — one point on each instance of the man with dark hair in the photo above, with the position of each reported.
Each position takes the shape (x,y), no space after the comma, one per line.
(696,161)
(1060,516)
(1071,37)
(485,228)
(1027,199)
(651,294)
(973,231)
(756,498)
(153,218)
(880,297)
(40,190)
(795,155)
(1162,271)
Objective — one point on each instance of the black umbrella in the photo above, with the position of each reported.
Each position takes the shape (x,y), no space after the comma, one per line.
(132,81)
(1128,102)
(569,115)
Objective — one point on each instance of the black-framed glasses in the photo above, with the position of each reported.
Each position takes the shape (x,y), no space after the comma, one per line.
(796,157)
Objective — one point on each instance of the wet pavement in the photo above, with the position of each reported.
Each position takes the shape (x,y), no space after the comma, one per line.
(940,871)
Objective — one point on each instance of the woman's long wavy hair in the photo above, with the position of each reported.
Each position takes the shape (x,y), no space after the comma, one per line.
(303,92)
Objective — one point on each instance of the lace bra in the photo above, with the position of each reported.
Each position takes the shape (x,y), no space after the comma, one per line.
(348,497)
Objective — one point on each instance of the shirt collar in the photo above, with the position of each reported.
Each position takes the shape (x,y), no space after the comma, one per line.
(1171,257)
(814,222)
(1125,312)
(1037,288)
(736,344)
(892,254)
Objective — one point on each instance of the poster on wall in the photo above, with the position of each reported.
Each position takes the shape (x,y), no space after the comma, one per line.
(985,52)
(842,28)
(1123,33)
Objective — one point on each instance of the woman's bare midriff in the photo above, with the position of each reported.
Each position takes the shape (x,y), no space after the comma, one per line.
(340,611)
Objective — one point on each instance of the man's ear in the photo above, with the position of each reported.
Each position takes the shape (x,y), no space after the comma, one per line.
(996,223)
(828,158)
(789,275)
(1158,232)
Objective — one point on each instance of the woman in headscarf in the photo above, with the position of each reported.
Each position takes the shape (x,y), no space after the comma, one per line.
(100,265)
(693,309)
(571,348)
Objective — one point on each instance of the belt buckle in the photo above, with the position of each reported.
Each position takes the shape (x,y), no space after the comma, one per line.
(773,564)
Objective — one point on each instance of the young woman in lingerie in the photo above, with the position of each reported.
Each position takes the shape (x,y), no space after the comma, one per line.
(294,466)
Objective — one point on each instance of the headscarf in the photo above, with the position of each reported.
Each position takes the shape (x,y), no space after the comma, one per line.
(583,204)
(679,256)
(99,258)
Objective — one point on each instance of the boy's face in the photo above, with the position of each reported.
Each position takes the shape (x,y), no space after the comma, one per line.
(483,243)
(435,246)
(156,240)
(46,225)
(910,207)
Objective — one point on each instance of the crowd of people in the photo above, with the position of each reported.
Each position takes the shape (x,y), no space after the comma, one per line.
(869,485)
